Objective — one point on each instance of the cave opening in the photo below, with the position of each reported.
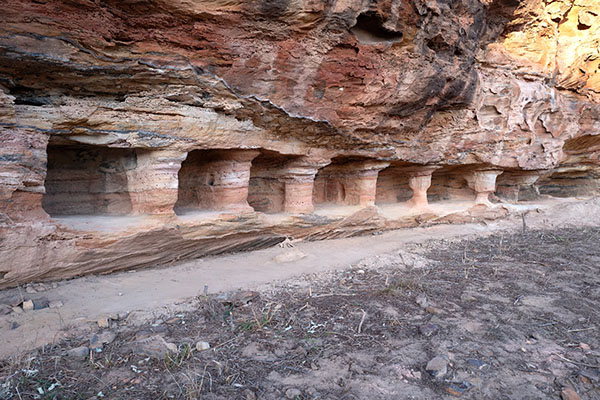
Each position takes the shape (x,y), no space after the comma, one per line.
(339,183)
(214,180)
(197,180)
(449,184)
(85,179)
(369,29)
(330,184)
(267,189)
(392,186)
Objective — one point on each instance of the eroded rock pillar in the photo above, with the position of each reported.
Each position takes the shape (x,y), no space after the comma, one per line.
(419,182)
(299,178)
(23,161)
(153,184)
(365,182)
(483,182)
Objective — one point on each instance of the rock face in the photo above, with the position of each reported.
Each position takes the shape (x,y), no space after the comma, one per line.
(136,133)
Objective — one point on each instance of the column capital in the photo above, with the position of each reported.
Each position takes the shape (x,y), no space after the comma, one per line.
(483,182)
(361,168)
(302,168)
(420,170)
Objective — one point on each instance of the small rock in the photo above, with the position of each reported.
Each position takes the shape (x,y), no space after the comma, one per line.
(429,329)
(30,289)
(17,310)
(97,341)
(40,287)
(154,346)
(55,304)
(584,346)
(293,393)
(467,297)
(472,362)
(433,310)
(5,309)
(201,346)
(437,366)
(15,300)
(103,322)
(569,394)
(78,353)
(40,303)
(13,326)
(457,389)
(28,305)
(421,300)
(123,315)
(249,394)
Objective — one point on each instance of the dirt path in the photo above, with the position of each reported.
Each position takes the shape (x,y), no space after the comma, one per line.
(147,293)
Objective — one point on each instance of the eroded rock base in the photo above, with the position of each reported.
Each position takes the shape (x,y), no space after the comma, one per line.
(103,209)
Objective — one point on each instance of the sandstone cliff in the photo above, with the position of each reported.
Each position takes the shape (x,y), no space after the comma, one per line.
(227,121)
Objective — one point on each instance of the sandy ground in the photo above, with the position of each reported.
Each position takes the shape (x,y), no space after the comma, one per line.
(509,310)
(147,293)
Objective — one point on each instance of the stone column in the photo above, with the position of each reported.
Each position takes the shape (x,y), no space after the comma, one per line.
(483,182)
(23,162)
(366,181)
(299,177)
(153,183)
(419,182)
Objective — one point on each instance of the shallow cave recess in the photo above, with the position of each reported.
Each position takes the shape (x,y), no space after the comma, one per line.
(84,179)
(369,29)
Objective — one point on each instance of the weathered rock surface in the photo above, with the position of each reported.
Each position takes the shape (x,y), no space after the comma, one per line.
(211,116)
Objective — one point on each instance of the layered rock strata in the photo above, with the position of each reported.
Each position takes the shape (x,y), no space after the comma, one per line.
(142,133)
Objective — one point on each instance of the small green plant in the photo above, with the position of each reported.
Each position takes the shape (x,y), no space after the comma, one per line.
(174,360)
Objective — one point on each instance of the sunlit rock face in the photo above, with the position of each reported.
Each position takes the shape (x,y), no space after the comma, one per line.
(235,110)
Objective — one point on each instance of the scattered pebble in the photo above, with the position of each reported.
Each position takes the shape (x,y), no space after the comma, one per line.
(293,393)
(457,389)
(154,346)
(78,353)
(103,322)
(434,310)
(569,394)
(28,305)
(437,366)
(249,394)
(97,341)
(476,363)
(429,329)
(201,346)
(421,300)
(585,347)
(55,304)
